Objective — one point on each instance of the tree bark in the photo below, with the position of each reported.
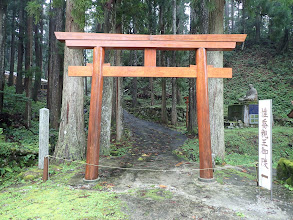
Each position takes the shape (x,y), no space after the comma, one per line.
(107,95)
(119,87)
(151,31)
(39,59)
(29,71)
(71,142)
(192,119)
(12,49)
(232,16)
(133,61)
(227,18)
(257,27)
(164,117)
(215,58)
(174,80)
(20,49)
(243,20)
(3,8)
(56,68)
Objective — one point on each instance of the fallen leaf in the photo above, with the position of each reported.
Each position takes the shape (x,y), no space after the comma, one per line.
(162,186)
(178,164)
(110,185)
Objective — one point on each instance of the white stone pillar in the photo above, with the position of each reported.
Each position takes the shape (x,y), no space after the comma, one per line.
(43,136)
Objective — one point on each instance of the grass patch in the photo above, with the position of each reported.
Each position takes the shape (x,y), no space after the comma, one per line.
(220,175)
(189,150)
(54,201)
(242,146)
(155,194)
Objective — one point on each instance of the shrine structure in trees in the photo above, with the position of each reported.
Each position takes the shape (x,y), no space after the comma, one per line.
(150,44)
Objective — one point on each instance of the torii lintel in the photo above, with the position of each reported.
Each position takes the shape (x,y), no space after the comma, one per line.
(150,43)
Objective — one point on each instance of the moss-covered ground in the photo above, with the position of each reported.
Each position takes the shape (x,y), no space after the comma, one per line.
(30,198)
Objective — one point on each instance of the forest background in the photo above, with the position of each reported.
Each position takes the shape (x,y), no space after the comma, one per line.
(30,55)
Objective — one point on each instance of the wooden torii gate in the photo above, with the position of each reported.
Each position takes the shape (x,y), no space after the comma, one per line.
(150,44)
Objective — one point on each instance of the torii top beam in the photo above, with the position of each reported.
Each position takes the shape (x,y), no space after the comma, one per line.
(212,42)
(150,43)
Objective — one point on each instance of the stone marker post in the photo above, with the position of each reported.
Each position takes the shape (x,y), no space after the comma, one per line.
(43,136)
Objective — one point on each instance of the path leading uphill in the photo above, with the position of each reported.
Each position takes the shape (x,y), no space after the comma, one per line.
(175,192)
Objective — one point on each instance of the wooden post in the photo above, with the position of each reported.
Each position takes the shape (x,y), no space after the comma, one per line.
(150,57)
(93,144)
(204,135)
(46,169)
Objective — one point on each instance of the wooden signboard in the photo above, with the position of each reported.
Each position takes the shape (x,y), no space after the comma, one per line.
(150,44)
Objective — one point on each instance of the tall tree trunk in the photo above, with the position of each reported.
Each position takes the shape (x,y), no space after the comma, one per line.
(232,16)
(107,95)
(284,46)
(215,88)
(151,31)
(204,18)
(55,68)
(3,8)
(50,63)
(192,119)
(71,142)
(243,21)
(164,117)
(20,49)
(39,59)
(12,49)
(257,27)
(28,68)
(151,82)
(133,61)
(174,80)
(227,17)
(119,87)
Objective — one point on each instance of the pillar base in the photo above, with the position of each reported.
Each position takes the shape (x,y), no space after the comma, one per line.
(90,181)
(206,180)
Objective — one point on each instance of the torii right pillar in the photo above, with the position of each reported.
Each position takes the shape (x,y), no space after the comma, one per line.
(203,119)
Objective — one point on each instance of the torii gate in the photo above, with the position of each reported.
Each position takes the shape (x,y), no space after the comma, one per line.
(149,43)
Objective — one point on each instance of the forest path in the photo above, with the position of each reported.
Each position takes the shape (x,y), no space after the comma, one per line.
(177,193)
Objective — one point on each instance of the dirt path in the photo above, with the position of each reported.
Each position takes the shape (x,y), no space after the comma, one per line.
(178,194)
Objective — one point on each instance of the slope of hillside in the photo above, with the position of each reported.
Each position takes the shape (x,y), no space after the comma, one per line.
(270,73)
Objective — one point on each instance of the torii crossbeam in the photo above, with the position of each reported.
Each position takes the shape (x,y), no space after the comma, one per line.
(150,44)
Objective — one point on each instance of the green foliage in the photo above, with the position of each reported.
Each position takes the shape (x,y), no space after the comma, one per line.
(57,3)
(34,9)
(285,171)
(242,145)
(19,145)
(240,214)
(189,150)
(78,12)
(288,187)
(268,72)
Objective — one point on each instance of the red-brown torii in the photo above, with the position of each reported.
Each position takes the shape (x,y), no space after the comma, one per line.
(150,44)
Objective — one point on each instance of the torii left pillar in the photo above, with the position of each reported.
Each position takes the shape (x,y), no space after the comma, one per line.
(94,129)
(203,119)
